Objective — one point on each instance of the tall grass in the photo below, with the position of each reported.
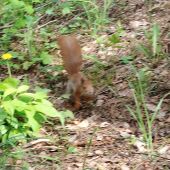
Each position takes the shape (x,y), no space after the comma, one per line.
(141,114)
(153,48)
(97,14)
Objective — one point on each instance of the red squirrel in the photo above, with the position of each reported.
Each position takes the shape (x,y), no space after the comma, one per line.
(77,84)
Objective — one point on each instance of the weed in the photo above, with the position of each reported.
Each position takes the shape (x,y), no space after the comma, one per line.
(92,14)
(97,15)
(126,59)
(141,113)
(153,48)
(115,38)
(21,112)
(98,71)
(140,80)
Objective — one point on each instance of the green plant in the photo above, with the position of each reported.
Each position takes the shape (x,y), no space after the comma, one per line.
(14,17)
(22,113)
(22,28)
(153,48)
(7,57)
(28,38)
(140,78)
(97,15)
(141,114)
(126,59)
(94,59)
(34,54)
(13,156)
(115,38)
(92,14)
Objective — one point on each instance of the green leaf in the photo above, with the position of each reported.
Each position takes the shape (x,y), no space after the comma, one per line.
(15,135)
(17,3)
(2,87)
(8,107)
(20,23)
(72,149)
(40,90)
(36,96)
(66,10)
(46,58)
(46,102)
(11,82)
(29,9)
(36,1)
(22,88)
(31,121)
(19,105)
(13,122)
(40,95)
(27,65)
(47,110)
(126,59)
(25,98)
(40,118)
(49,11)
(155,37)
(3,129)
(3,115)
(114,39)
(64,115)
(9,91)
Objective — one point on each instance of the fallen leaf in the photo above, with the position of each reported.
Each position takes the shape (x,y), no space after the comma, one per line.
(124,167)
(98,152)
(140,146)
(99,102)
(104,124)
(83,124)
(164,150)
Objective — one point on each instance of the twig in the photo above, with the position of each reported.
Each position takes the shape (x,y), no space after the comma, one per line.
(41,26)
(40,18)
(6,26)
(36,142)
(156,155)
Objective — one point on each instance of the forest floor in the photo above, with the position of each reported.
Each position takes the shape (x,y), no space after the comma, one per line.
(103,134)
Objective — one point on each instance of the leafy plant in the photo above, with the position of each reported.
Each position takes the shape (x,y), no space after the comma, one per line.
(13,25)
(22,112)
(22,28)
(115,38)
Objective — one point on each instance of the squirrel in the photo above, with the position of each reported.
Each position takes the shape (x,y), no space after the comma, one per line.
(78,85)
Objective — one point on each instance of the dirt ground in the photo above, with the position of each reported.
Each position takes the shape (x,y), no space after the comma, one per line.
(103,134)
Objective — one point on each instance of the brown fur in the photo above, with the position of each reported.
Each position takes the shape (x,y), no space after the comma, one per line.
(78,84)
